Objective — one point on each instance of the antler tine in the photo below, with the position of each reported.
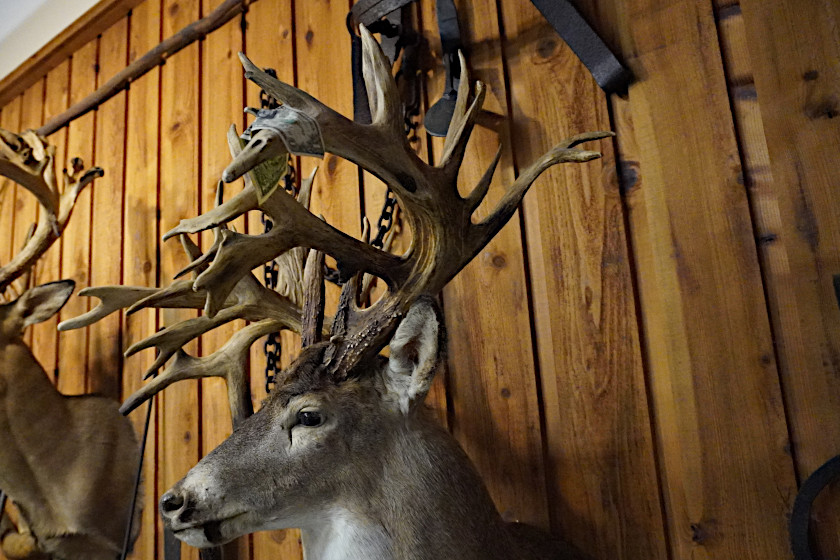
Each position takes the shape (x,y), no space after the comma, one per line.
(227,362)
(564,152)
(383,95)
(169,340)
(463,120)
(30,162)
(111,298)
(478,193)
(313,299)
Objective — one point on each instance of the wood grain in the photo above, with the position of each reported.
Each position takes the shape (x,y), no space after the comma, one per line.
(727,479)
(179,199)
(793,52)
(85,29)
(601,471)
(141,255)
(75,244)
(491,378)
(104,350)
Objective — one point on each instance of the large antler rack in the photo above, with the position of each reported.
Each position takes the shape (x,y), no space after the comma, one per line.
(30,162)
(444,237)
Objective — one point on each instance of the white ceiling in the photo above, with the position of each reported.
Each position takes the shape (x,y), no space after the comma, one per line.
(28,25)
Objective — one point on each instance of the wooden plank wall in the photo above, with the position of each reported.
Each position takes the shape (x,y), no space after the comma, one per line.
(646,361)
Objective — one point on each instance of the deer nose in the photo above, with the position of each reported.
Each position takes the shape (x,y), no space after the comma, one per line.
(170,502)
(175,507)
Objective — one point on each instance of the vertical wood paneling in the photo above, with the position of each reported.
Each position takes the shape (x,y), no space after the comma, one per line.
(179,434)
(140,250)
(75,242)
(104,350)
(794,53)
(492,378)
(602,480)
(48,267)
(716,400)
(269,43)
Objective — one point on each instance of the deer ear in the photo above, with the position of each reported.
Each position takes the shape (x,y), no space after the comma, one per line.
(416,351)
(42,302)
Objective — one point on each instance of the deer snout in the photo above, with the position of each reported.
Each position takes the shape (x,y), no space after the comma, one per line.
(177,508)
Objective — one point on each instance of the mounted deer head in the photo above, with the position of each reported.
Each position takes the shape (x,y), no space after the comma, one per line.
(341,448)
(66,462)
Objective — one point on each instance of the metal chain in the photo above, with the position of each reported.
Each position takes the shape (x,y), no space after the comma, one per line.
(272,346)
(386,219)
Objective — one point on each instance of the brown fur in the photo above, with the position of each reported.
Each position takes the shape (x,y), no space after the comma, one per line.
(67,462)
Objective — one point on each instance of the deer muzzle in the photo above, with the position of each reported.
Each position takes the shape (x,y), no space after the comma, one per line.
(194,520)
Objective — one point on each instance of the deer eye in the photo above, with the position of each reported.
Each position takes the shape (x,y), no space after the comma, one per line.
(309,418)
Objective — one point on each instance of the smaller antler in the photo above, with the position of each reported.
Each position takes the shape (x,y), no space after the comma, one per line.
(29,161)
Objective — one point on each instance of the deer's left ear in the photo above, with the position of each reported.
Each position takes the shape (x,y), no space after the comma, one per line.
(42,302)
(416,351)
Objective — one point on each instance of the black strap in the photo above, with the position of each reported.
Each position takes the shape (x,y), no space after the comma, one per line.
(171,545)
(137,478)
(800,517)
(586,44)
(440,113)
(370,13)
(215,553)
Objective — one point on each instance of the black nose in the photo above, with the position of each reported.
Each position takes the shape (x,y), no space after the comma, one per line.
(176,506)
(170,502)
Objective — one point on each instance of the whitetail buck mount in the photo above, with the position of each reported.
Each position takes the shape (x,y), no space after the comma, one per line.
(341,448)
(67,463)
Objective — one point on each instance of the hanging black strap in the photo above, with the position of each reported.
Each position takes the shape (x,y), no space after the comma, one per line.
(171,545)
(586,44)
(440,113)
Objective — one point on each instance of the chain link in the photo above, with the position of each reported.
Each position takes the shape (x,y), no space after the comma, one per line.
(386,219)
(271,270)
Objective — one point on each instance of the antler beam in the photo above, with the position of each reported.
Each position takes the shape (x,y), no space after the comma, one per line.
(29,161)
